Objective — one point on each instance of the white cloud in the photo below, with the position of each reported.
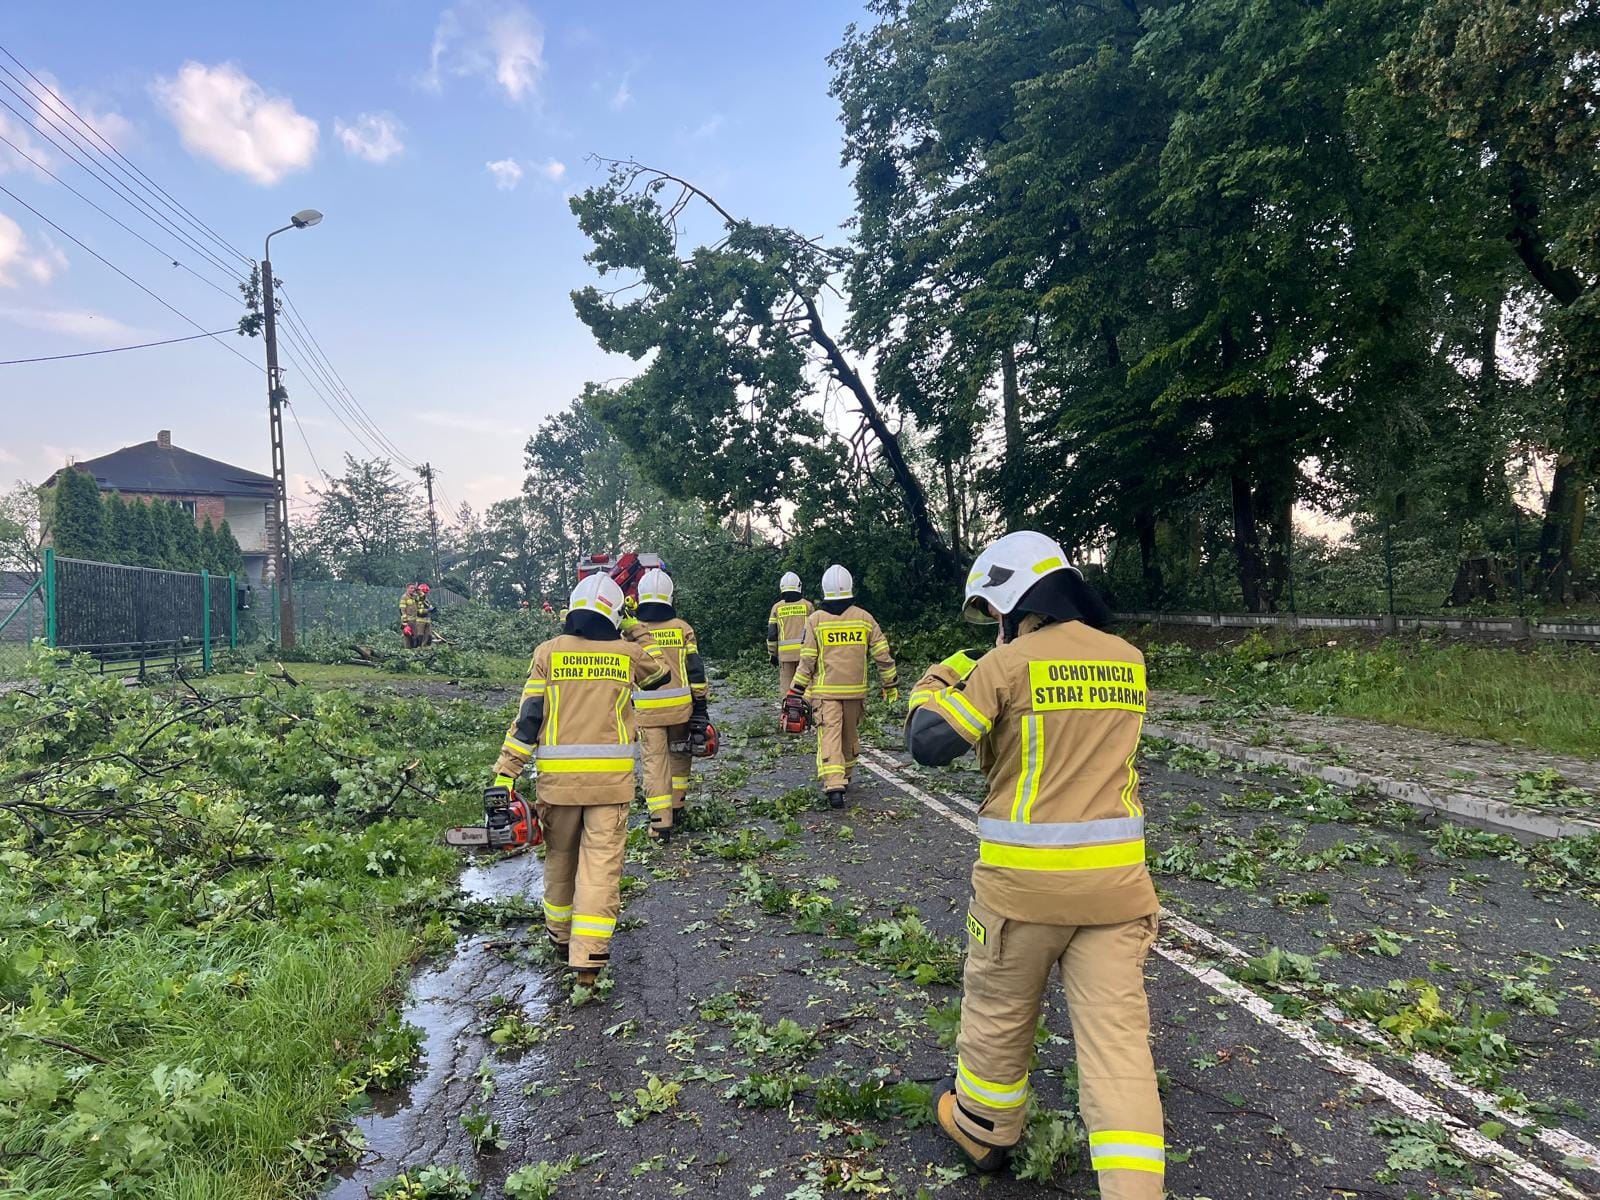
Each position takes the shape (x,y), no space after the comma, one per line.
(224,115)
(491,39)
(75,322)
(59,108)
(622,97)
(372,136)
(507,173)
(7,457)
(553,170)
(20,262)
(708,128)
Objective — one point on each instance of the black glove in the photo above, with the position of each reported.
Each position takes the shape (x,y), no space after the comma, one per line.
(774,659)
(699,718)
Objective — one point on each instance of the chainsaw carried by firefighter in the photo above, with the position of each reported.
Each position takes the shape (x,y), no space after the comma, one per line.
(795,714)
(700,739)
(509,822)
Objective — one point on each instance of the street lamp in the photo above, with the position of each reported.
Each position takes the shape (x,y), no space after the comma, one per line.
(303,219)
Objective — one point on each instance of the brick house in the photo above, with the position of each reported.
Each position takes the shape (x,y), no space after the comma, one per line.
(203,486)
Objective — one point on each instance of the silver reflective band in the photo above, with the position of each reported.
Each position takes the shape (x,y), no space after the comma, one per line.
(602,750)
(662,694)
(1127,1150)
(1062,833)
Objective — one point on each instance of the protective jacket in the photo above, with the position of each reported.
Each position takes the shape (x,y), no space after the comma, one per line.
(675,644)
(576,721)
(408,607)
(1055,716)
(786,628)
(834,653)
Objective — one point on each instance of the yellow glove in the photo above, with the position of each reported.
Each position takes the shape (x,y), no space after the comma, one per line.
(962,662)
(891,693)
(504,781)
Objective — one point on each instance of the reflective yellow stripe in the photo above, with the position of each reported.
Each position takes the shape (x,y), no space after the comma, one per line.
(1130,799)
(551,714)
(1062,858)
(622,707)
(960,714)
(1121,1162)
(918,699)
(1132,1137)
(584,766)
(559,913)
(1032,768)
(846,691)
(680,781)
(995,1095)
(517,747)
(660,702)
(534,687)
(655,803)
(596,927)
(1047,564)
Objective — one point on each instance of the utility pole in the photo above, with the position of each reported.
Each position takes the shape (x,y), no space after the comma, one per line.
(280,492)
(276,395)
(426,471)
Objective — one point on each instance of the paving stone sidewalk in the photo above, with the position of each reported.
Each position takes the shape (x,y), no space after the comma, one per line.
(1504,786)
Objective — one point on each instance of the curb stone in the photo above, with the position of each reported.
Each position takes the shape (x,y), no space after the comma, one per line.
(1468,806)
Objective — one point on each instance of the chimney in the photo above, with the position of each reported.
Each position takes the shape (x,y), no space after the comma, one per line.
(164,439)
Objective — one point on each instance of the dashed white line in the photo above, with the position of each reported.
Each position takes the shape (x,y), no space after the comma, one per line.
(1529,1176)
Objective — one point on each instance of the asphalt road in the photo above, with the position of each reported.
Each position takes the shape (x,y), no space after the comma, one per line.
(1346,1001)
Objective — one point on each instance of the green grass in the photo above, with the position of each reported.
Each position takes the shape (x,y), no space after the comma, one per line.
(505,670)
(1546,699)
(188,985)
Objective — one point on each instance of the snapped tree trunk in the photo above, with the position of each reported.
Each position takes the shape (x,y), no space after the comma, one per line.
(1477,572)
(952,501)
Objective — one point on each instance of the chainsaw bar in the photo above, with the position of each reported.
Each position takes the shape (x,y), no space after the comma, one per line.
(467,835)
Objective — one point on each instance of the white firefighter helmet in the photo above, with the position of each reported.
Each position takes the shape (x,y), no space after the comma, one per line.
(789,583)
(837,584)
(598,593)
(1007,569)
(655,587)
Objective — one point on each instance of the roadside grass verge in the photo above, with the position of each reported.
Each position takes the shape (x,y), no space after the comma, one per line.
(208,903)
(1547,698)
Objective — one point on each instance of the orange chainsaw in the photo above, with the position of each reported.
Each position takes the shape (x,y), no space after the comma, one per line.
(509,823)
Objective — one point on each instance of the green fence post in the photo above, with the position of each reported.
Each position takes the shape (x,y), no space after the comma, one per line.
(205,620)
(50,597)
(233,611)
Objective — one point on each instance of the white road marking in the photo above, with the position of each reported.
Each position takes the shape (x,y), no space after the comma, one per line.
(1529,1176)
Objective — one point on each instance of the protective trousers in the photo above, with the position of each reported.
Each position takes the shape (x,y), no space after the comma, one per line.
(424,632)
(583,878)
(786,677)
(666,772)
(838,743)
(1102,971)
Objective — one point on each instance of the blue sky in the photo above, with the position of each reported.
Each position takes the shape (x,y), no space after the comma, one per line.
(438,284)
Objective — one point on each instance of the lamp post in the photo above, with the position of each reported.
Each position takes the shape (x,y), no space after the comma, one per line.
(303,219)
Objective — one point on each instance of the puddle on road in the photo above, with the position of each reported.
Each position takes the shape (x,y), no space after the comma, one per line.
(421,1124)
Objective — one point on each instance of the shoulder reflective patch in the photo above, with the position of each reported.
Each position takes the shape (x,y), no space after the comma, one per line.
(1058,685)
(976,929)
(576,665)
(842,635)
(667,637)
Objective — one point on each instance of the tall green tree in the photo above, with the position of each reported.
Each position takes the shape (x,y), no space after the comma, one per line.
(369,524)
(77,517)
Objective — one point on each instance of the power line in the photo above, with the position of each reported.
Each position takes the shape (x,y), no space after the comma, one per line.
(121,191)
(369,434)
(359,411)
(165,254)
(172,202)
(305,441)
(290,348)
(193,337)
(94,254)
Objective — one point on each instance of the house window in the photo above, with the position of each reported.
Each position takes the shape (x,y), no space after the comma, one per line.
(188,507)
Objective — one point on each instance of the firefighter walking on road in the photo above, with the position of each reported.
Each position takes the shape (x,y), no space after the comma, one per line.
(786,630)
(672,716)
(839,639)
(1055,711)
(576,723)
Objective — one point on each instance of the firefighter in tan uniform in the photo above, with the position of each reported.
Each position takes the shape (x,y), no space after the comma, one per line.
(839,638)
(786,630)
(576,723)
(408,616)
(1055,711)
(669,716)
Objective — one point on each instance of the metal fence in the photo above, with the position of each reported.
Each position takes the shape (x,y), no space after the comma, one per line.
(125,618)
(337,606)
